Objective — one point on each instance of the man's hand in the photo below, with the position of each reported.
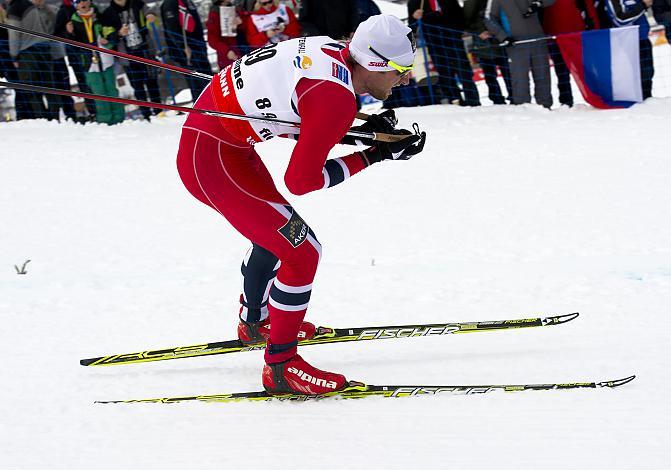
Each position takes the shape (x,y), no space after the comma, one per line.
(485,35)
(647,3)
(103,41)
(232,55)
(417,14)
(123,31)
(384,123)
(381,123)
(150,17)
(403,149)
(69,27)
(534,6)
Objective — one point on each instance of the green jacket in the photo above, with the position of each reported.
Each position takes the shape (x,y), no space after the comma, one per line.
(79,34)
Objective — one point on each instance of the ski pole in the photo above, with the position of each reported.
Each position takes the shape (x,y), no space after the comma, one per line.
(240,117)
(72,42)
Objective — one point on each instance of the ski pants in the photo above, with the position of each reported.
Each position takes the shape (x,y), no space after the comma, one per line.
(229,176)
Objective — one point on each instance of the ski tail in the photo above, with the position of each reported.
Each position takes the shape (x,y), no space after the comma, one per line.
(357,390)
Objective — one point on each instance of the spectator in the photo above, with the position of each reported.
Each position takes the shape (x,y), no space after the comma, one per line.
(11,74)
(602,13)
(63,17)
(61,79)
(632,12)
(225,43)
(270,23)
(522,23)
(185,40)
(486,49)
(444,26)
(661,9)
(567,16)
(293,5)
(336,19)
(32,55)
(366,9)
(129,19)
(85,26)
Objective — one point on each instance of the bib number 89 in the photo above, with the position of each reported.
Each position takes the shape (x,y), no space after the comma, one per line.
(260,55)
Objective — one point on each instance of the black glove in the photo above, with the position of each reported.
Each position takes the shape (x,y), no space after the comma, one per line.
(384,122)
(403,149)
(533,8)
(376,123)
(589,23)
(507,42)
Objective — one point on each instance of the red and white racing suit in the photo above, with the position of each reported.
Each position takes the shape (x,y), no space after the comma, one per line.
(304,80)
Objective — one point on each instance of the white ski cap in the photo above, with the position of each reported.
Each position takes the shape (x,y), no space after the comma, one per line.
(389,37)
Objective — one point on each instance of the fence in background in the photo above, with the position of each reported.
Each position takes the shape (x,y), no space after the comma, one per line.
(451,67)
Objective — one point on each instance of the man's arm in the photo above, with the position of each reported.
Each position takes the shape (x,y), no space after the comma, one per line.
(172,30)
(493,20)
(308,169)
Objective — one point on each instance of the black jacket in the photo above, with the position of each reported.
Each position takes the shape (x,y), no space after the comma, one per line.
(63,16)
(452,15)
(172,26)
(116,16)
(334,18)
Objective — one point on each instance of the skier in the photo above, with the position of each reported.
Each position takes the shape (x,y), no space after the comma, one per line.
(311,80)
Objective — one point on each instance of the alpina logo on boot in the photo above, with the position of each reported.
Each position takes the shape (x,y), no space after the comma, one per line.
(313,380)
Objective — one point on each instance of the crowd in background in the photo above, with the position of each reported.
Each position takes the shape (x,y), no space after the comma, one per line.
(513,37)
(501,36)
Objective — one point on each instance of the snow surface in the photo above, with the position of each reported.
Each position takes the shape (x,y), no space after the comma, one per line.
(508,213)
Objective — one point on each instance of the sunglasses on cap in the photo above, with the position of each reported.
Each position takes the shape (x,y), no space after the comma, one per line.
(402,69)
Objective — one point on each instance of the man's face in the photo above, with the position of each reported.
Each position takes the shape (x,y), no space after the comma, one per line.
(380,84)
(38,3)
(83,6)
(121,3)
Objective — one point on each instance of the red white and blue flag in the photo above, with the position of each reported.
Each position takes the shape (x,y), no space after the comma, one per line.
(605,65)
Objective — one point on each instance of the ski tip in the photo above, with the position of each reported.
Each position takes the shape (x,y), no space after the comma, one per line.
(617,383)
(559,319)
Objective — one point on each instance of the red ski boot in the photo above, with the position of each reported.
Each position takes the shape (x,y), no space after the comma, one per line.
(259,332)
(299,377)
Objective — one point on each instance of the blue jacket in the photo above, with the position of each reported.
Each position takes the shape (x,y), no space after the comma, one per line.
(629,13)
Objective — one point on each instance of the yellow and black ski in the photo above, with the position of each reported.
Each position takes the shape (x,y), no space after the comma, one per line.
(360,390)
(326,335)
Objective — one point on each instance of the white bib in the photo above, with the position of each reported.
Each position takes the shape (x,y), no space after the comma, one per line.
(263,83)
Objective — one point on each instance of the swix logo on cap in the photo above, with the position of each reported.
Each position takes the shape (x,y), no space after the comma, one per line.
(377,64)
(340,72)
(302,62)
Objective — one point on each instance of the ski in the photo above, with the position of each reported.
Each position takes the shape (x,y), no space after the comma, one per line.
(360,390)
(326,335)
